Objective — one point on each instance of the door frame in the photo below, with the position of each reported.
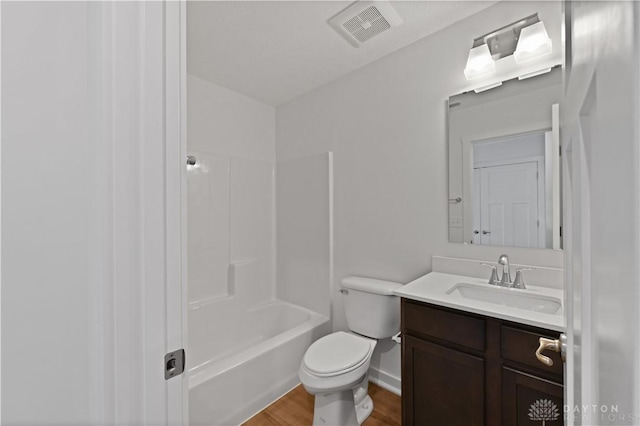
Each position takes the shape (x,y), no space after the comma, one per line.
(138,75)
(602,95)
(177,402)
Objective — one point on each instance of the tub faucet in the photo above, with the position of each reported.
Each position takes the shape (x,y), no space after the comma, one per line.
(506,273)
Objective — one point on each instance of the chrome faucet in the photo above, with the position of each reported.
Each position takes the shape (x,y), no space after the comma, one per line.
(518,281)
(494,273)
(505,281)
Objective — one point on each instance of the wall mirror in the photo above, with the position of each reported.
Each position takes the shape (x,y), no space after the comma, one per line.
(504,164)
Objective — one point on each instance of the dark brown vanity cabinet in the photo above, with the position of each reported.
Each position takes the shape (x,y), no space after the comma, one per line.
(465,369)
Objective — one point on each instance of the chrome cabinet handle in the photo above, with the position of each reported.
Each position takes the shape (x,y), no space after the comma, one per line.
(552,344)
(485,232)
(475,231)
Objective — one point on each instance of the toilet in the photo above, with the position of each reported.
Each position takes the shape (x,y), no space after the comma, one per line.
(335,367)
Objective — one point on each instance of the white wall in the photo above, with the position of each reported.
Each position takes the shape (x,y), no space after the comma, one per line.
(45,212)
(305,228)
(224,122)
(386,124)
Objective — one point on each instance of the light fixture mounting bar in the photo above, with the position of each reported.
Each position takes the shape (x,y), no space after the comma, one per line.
(503,41)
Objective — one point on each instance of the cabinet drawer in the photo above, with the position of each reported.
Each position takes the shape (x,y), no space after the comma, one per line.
(445,325)
(520,346)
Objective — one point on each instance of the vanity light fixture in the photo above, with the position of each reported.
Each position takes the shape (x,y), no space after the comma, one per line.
(532,43)
(525,39)
(479,62)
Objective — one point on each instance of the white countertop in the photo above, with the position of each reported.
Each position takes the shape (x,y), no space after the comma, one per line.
(433,287)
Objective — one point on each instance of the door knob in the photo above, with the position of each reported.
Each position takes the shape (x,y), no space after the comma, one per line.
(475,231)
(556,345)
(485,232)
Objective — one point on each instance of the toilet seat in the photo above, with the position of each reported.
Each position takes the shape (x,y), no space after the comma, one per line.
(336,354)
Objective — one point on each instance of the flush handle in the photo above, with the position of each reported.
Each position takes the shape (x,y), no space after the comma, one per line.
(556,345)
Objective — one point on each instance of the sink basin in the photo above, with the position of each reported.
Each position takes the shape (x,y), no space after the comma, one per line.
(511,297)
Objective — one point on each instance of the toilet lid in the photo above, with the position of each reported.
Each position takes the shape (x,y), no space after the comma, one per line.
(336,353)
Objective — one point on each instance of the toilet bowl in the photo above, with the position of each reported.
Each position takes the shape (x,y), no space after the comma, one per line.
(335,370)
(335,367)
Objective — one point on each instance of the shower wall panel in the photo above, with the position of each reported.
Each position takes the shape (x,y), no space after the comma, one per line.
(251,225)
(230,228)
(208,227)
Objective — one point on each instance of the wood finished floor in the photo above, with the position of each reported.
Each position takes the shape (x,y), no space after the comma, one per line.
(296,409)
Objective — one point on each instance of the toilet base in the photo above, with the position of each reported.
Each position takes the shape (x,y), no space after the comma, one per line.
(335,409)
(362,400)
(364,409)
(349,407)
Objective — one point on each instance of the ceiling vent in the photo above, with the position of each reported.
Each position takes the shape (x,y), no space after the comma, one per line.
(364,20)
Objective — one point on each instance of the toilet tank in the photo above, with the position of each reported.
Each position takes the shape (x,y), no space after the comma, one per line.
(371,308)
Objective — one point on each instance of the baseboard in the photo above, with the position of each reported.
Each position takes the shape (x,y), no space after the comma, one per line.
(385,381)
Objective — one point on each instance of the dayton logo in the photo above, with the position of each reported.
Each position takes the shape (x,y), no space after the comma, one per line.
(543,410)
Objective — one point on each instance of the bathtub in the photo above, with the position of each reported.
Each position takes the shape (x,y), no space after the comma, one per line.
(244,359)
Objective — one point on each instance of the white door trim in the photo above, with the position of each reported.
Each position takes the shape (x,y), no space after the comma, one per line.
(176,201)
(136,76)
(537,159)
(600,108)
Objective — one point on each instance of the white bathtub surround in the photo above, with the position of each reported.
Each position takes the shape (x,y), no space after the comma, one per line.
(230,225)
(208,233)
(541,276)
(245,339)
(231,202)
(249,361)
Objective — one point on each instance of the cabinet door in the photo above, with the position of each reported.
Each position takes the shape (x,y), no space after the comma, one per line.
(528,400)
(441,386)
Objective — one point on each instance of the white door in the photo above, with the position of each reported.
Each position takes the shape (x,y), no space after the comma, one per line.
(601,150)
(509,205)
(91,100)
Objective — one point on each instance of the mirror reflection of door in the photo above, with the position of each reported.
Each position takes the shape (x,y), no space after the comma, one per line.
(509,194)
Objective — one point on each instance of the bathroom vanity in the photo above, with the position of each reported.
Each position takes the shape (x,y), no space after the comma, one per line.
(467,361)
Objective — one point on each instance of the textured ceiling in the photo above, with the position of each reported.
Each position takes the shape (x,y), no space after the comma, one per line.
(274,51)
